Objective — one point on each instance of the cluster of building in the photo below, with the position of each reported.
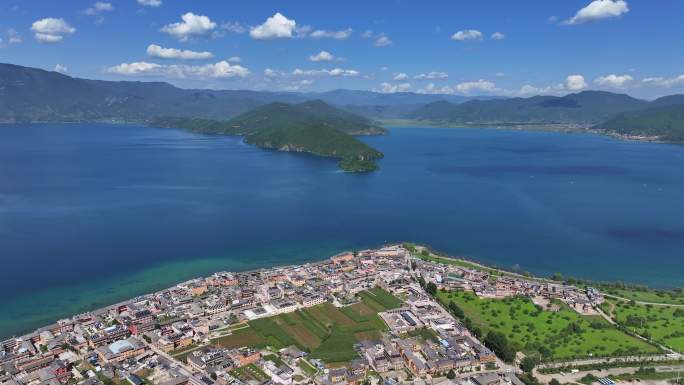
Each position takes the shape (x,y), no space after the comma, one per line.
(170,337)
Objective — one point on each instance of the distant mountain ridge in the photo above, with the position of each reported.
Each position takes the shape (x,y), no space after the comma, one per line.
(33,95)
(587,107)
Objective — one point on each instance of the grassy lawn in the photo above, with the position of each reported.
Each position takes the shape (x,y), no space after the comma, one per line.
(379,298)
(561,335)
(664,324)
(647,295)
(307,367)
(250,372)
(324,331)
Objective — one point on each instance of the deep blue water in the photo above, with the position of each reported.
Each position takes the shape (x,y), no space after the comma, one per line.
(91,214)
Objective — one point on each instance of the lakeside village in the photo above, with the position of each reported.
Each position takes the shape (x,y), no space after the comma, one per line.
(357,318)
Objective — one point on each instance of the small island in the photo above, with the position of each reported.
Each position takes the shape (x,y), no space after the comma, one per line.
(311,127)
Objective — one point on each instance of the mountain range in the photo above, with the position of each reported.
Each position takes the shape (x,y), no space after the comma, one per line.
(35,95)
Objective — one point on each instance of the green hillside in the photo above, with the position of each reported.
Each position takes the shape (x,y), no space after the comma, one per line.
(663,123)
(311,127)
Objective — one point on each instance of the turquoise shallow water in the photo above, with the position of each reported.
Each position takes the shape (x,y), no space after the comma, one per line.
(93,214)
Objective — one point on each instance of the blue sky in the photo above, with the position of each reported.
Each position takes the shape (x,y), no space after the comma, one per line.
(495,47)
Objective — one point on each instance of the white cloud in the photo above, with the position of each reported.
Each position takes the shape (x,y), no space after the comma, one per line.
(98,7)
(322,56)
(575,83)
(234,27)
(431,88)
(382,41)
(271,73)
(275,27)
(339,35)
(529,90)
(401,76)
(191,26)
(664,82)
(614,81)
(235,59)
(60,68)
(219,70)
(136,68)
(477,86)
(434,75)
(337,72)
(51,30)
(299,85)
(13,37)
(599,10)
(150,3)
(497,36)
(154,50)
(467,35)
(388,88)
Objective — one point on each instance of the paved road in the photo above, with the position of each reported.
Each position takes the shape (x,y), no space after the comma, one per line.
(575,377)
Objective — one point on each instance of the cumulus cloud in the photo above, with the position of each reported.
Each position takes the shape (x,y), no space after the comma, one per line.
(431,88)
(477,86)
(275,27)
(154,50)
(219,70)
(234,27)
(575,83)
(60,68)
(467,35)
(382,41)
(150,3)
(401,76)
(13,37)
(336,72)
(529,90)
(322,56)
(98,8)
(338,35)
(614,81)
(51,30)
(191,26)
(664,82)
(434,75)
(497,36)
(599,10)
(389,88)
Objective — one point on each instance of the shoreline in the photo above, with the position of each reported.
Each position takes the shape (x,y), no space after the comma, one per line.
(532,127)
(472,262)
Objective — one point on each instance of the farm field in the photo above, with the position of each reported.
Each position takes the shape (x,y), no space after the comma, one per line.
(560,335)
(324,331)
(664,324)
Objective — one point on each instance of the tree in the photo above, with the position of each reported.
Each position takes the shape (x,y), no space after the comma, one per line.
(451,374)
(528,363)
(557,277)
(413,265)
(425,252)
(455,310)
(498,343)
(421,281)
(431,288)
(554,382)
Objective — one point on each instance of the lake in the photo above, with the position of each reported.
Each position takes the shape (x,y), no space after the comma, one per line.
(91,214)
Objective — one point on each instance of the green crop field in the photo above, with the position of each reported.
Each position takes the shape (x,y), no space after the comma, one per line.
(560,335)
(324,331)
(664,324)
